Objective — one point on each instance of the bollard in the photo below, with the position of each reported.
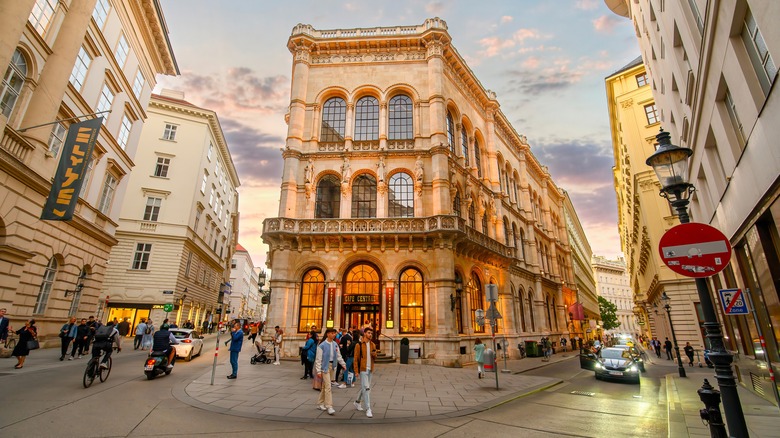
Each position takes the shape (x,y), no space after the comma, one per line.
(711,412)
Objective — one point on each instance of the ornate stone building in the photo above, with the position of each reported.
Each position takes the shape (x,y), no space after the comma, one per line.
(643,216)
(612,285)
(64,61)
(178,225)
(405,192)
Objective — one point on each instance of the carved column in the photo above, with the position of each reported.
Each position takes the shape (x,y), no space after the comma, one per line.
(53,81)
(349,126)
(383,122)
(437,112)
(300,82)
(315,124)
(492,168)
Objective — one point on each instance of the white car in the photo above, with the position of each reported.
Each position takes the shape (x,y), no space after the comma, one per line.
(190,343)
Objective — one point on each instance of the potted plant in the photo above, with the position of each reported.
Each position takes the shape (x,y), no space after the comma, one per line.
(404,350)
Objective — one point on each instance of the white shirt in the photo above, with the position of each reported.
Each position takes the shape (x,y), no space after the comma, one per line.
(368,357)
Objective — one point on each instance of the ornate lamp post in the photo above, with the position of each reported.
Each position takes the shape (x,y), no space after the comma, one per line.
(670,163)
(666,300)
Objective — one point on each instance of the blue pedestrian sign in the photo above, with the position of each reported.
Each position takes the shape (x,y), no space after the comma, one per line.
(733,302)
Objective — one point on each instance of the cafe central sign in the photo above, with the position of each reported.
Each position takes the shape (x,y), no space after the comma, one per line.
(361,299)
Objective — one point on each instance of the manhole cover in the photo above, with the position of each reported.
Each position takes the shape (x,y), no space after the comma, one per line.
(585,393)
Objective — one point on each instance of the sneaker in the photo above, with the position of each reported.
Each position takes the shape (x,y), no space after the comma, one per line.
(79,357)
(169,366)
(70,358)
(352,385)
(331,411)
(322,407)
(357,406)
(103,365)
(342,386)
(369,414)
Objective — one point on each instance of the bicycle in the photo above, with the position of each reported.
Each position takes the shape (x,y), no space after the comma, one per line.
(94,370)
(10,341)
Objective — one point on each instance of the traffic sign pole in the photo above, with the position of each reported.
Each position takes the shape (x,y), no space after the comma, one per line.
(763,346)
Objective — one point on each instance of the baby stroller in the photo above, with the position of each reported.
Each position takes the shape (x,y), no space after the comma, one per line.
(262,353)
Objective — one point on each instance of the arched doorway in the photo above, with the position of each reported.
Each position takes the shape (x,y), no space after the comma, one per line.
(361,297)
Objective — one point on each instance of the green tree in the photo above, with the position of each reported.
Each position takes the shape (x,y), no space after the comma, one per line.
(608,312)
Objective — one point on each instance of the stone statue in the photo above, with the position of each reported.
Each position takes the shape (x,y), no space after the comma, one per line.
(418,169)
(346,171)
(309,173)
(381,169)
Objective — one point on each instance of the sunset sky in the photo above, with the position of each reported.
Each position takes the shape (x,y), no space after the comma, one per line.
(546,60)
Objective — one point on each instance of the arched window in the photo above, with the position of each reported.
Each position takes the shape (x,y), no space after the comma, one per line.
(334,118)
(514,235)
(485,224)
(477,158)
(451,132)
(400,196)
(464,145)
(477,301)
(400,125)
(459,302)
(472,216)
(555,314)
(49,275)
(328,201)
(522,243)
(507,234)
(411,298)
(364,196)
(547,309)
(456,204)
(13,81)
(531,310)
(312,300)
(521,310)
(367,119)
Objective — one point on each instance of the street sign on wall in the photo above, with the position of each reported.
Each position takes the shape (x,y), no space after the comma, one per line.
(695,250)
(733,302)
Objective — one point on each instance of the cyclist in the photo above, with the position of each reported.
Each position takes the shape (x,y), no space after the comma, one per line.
(105,338)
(164,341)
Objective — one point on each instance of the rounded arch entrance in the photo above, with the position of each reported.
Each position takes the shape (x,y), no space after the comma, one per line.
(361,296)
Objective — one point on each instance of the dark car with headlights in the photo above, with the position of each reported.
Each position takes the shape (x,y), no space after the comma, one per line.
(612,364)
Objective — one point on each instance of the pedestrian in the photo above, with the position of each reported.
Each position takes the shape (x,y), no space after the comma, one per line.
(347,346)
(308,355)
(236,342)
(146,341)
(479,350)
(93,325)
(253,332)
(365,360)
(26,334)
(5,326)
(656,346)
(278,339)
(563,343)
(689,352)
(123,328)
(205,326)
(140,330)
(328,357)
(668,349)
(67,334)
(80,341)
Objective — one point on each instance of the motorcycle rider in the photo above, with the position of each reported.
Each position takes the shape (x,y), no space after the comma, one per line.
(163,340)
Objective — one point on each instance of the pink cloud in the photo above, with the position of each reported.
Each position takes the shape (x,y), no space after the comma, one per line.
(605,23)
(506,19)
(492,46)
(586,4)
(532,62)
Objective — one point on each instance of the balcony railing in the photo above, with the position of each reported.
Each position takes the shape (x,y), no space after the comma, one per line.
(385,226)
(16,145)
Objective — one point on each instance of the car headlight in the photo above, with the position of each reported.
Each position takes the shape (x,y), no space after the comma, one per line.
(633,369)
(599,366)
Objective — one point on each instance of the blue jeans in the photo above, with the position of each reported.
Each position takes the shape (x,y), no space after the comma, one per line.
(234,362)
(349,361)
(365,389)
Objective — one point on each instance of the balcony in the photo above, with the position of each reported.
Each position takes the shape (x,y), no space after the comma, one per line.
(435,227)
(16,145)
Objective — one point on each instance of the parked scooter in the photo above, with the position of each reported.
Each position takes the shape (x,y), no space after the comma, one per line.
(156,364)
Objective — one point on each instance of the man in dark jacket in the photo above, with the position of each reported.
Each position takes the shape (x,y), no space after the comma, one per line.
(236,342)
(123,328)
(80,341)
(668,348)
(347,347)
(163,340)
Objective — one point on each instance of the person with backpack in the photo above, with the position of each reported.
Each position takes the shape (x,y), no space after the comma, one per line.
(347,346)
(93,325)
(105,337)
(365,364)
(146,341)
(140,330)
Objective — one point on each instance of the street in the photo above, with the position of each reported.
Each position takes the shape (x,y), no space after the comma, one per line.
(46,398)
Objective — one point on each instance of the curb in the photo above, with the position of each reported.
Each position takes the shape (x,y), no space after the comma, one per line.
(546,364)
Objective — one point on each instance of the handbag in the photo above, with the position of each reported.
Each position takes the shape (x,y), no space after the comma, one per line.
(317,382)
(33,344)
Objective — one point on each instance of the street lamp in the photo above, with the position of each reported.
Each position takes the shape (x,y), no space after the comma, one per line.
(261,279)
(79,284)
(665,299)
(670,163)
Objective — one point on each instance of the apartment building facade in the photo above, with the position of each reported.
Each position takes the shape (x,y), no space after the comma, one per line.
(178,224)
(66,61)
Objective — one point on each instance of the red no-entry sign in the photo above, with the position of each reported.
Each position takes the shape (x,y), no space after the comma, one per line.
(695,250)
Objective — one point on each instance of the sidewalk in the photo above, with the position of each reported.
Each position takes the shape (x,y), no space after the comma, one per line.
(399,393)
